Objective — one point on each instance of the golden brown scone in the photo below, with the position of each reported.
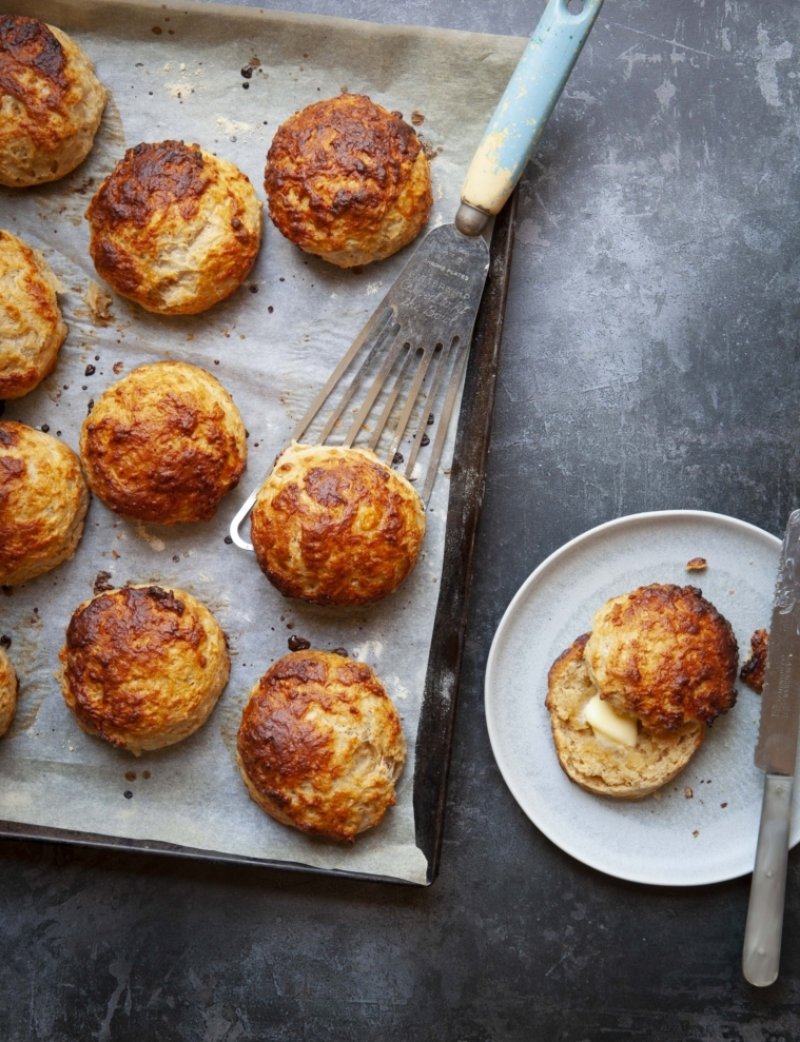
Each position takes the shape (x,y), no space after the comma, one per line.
(164,444)
(320,744)
(51,102)
(348,181)
(174,228)
(143,666)
(601,766)
(752,671)
(9,686)
(43,502)
(31,327)
(336,526)
(664,654)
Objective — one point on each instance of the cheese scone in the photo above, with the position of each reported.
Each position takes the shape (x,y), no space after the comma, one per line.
(142,667)
(164,444)
(630,702)
(9,686)
(336,526)
(174,228)
(348,181)
(43,502)
(51,102)
(32,328)
(320,744)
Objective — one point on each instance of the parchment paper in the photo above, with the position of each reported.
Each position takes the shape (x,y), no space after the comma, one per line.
(225,78)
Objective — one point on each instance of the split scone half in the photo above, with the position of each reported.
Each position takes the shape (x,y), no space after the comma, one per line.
(630,702)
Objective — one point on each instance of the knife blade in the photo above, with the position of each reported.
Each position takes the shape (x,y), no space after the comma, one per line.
(776,755)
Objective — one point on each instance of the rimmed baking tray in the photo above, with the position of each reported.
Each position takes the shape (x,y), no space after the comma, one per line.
(225,77)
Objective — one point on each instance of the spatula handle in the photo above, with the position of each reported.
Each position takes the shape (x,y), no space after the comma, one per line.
(764,926)
(520,117)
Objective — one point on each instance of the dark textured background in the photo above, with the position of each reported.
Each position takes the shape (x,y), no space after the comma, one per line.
(649,361)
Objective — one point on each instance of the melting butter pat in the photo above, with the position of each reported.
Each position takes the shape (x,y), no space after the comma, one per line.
(606,723)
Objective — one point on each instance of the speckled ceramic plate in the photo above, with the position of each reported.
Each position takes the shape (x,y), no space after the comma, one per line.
(701,828)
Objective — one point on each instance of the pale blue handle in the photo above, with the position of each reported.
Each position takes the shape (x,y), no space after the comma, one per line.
(523,110)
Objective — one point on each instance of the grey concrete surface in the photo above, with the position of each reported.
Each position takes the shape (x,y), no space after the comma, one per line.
(649,361)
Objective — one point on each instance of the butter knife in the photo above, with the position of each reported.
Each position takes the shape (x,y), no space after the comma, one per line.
(776,754)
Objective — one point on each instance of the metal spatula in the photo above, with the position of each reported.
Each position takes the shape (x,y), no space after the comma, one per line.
(401,377)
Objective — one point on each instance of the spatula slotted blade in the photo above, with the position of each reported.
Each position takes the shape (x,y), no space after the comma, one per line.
(402,373)
(396,388)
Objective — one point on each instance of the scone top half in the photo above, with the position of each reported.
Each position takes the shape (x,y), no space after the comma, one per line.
(664,654)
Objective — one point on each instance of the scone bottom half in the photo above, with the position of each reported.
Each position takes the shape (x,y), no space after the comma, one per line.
(320,745)
(686,658)
(336,526)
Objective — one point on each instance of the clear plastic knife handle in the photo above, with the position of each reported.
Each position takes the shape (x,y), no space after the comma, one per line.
(764,926)
(519,119)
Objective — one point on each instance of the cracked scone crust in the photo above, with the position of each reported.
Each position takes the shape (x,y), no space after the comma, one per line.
(142,667)
(601,767)
(43,502)
(164,444)
(336,526)
(32,329)
(174,228)
(51,102)
(9,686)
(664,654)
(320,745)
(348,180)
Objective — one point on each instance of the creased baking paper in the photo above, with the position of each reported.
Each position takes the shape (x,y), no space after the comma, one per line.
(223,77)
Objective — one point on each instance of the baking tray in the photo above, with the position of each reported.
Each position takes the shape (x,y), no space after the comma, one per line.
(79,779)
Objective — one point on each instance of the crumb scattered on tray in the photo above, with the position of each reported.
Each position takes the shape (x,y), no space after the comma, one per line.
(99,302)
(697,564)
(752,672)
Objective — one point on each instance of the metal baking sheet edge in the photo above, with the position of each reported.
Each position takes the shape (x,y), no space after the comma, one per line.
(437,719)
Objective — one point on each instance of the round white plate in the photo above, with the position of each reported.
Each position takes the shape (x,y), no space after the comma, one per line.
(701,828)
